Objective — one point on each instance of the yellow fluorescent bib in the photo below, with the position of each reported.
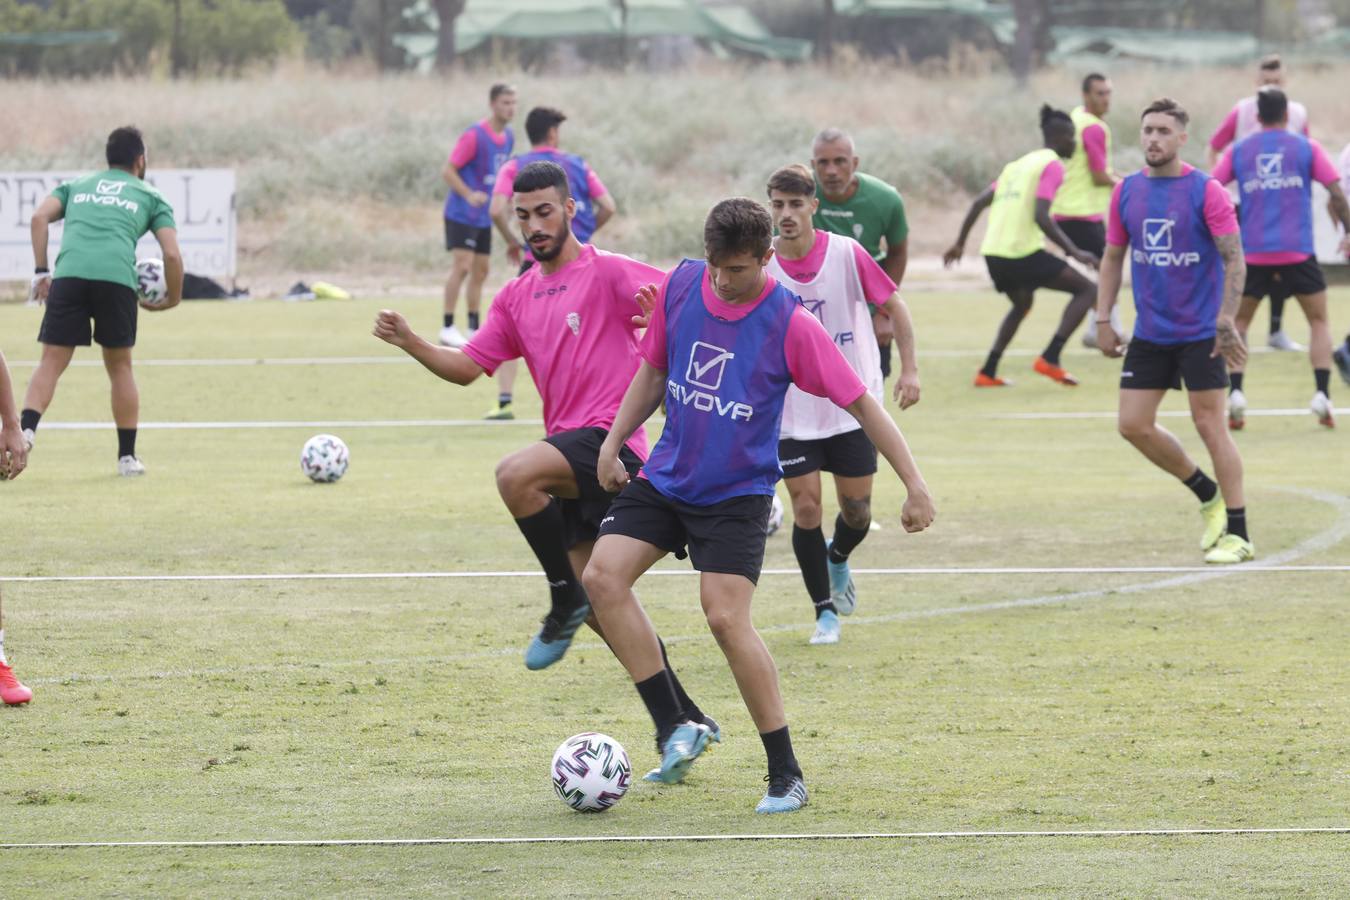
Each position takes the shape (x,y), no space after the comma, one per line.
(1079,197)
(1013,232)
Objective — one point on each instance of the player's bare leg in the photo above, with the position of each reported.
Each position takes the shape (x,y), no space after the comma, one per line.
(1207,411)
(506,386)
(1083,291)
(812,552)
(1021,307)
(1319,351)
(1237,398)
(42,385)
(473,291)
(1137,421)
(126,407)
(461,267)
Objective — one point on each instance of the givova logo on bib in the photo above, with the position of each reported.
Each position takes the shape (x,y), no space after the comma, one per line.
(1270,175)
(108,192)
(707,367)
(1157,249)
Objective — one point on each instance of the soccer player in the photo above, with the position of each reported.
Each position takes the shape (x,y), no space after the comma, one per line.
(1342,354)
(1187,268)
(572,319)
(594,206)
(838,282)
(13,458)
(1242,122)
(1080,205)
(1274,170)
(471,172)
(1014,247)
(867,209)
(723,344)
(106,213)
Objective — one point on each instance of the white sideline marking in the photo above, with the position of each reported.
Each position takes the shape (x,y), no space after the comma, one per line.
(376,576)
(674,838)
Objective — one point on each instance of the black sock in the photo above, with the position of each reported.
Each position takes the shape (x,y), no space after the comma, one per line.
(658,694)
(809,546)
(1201,485)
(846,538)
(126,442)
(990,366)
(28,420)
(544,533)
(1323,379)
(1235,381)
(1237,522)
(688,708)
(1277,314)
(778,748)
(473,321)
(449,319)
(1051,354)
(503,401)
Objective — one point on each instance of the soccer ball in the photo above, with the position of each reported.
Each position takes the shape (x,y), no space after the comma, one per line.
(591,772)
(324,458)
(151,285)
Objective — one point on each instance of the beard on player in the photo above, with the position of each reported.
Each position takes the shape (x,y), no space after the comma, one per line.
(547,246)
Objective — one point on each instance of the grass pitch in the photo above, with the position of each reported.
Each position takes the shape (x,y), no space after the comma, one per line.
(399,708)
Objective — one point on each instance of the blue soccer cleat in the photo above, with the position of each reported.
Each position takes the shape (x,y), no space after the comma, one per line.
(685,744)
(787,793)
(842,593)
(716,737)
(553,639)
(827,629)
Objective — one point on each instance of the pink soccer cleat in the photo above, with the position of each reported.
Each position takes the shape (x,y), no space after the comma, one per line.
(11,691)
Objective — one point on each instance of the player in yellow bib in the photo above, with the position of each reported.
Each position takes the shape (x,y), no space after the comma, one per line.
(1014,247)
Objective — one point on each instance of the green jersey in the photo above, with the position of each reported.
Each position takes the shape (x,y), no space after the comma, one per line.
(106,213)
(875,211)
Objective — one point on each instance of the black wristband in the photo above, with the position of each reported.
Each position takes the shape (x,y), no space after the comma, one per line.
(41,270)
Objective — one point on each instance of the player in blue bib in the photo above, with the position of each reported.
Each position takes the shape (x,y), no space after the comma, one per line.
(724,342)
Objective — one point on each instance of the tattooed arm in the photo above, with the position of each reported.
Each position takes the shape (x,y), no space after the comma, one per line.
(1227,341)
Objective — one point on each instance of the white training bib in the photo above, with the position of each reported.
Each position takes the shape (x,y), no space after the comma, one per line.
(1248,124)
(836,298)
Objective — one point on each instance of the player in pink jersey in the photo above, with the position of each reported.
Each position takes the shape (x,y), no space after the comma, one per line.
(13,458)
(575,320)
(838,282)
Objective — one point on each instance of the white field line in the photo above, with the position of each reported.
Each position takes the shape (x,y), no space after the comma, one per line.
(534,423)
(1337,532)
(677,838)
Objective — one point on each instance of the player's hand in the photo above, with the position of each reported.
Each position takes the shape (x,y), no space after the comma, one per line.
(918,512)
(610,473)
(13,453)
(513,254)
(392,328)
(1228,344)
(477,198)
(906,390)
(1108,341)
(1091,260)
(38,289)
(884,329)
(953,255)
(646,298)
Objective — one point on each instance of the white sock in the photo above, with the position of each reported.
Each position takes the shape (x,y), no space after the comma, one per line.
(3,661)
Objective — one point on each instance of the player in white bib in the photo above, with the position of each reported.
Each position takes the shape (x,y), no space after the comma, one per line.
(836,280)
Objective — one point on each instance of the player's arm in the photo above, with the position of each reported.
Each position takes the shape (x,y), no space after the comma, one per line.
(1094,145)
(1227,341)
(605,208)
(460,187)
(1052,230)
(1109,277)
(444,362)
(500,211)
(173,267)
(980,204)
(639,402)
(906,390)
(49,210)
(13,450)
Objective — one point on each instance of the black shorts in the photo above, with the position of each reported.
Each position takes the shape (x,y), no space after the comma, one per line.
(1277,281)
(1085,234)
(726,537)
(1025,274)
(459,236)
(581,448)
(850,455)
(1155,367)
(74,302)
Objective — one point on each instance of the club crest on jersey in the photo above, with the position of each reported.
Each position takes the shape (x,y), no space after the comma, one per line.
(1157,249)
(707,367)
(574,322)
(1270,175)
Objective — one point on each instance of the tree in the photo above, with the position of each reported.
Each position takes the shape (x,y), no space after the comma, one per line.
(825,43)
(1032,37)
(446,11)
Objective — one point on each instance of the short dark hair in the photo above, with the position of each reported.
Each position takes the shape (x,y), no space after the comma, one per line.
(1271,63)
(1054,119)
(539,175)
(738,225)
(795,179)
(1272,106)
(540,120)
(1170,107)
(1091,79)
(125,146)
(498,89)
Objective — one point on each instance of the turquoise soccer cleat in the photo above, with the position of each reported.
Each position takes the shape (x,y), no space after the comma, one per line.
(785,794)
(553,639)
(842,593)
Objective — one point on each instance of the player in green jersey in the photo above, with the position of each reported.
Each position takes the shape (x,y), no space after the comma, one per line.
(95,281)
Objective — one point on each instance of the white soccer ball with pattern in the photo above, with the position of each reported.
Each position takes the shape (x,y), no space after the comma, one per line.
(591,772)
(324,458)
(151,285)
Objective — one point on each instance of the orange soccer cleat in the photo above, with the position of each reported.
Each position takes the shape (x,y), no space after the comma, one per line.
(1055,373)
(983,380)
(11,691)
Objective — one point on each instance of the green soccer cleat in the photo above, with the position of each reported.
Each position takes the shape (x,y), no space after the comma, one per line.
(1231,549)
(1216,522)
(500,414)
